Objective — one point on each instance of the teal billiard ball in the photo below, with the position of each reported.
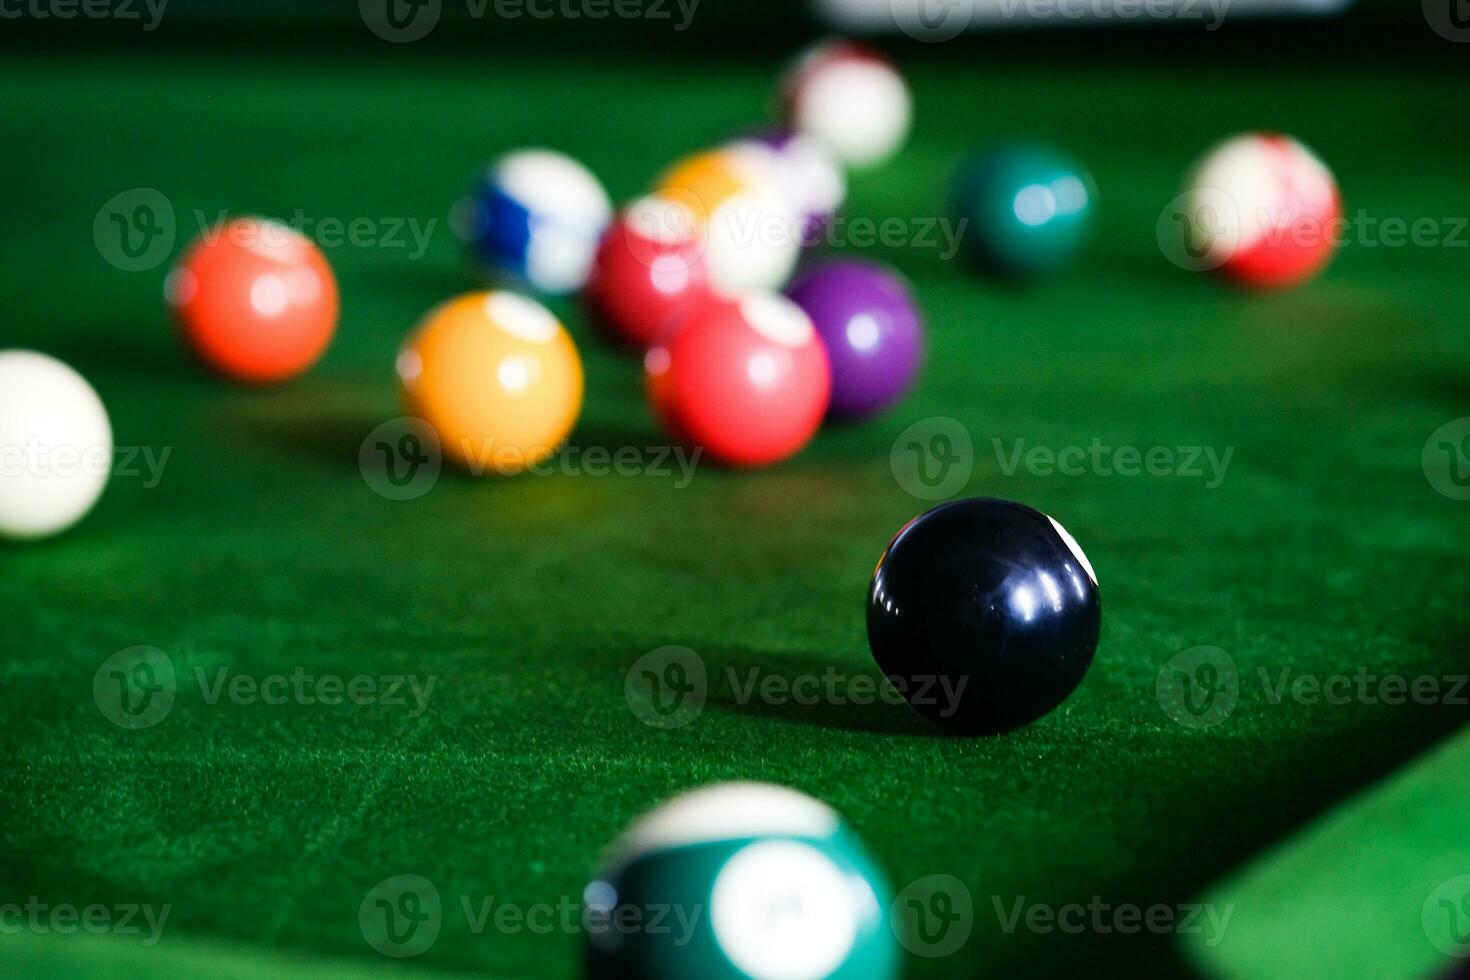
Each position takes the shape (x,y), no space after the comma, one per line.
(739,881)
(1024,209)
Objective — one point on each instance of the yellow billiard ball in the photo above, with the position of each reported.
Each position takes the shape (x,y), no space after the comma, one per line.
(498,378)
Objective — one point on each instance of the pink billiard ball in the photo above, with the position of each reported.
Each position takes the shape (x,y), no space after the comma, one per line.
(747,380)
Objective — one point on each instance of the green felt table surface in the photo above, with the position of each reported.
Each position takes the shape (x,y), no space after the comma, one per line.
(262,550)
(1303,910)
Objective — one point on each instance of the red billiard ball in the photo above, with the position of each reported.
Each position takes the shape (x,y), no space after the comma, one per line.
(747,380)
(255,299)
(649,266)
(1262,210)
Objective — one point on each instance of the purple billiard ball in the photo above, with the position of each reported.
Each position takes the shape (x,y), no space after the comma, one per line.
(870,326)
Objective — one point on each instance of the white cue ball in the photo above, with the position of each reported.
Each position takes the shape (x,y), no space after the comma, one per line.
(853,102)
(55,446)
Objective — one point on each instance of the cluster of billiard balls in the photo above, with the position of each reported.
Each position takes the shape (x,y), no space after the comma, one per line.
(691,275)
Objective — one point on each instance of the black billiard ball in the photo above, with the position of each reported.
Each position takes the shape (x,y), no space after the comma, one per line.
(984,614)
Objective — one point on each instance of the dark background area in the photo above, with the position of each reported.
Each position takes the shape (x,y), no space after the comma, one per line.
(1374,31)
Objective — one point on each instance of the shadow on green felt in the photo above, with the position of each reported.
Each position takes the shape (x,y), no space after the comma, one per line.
(297,423)
(800,695)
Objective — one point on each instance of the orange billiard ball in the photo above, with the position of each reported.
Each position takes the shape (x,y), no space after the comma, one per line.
(498,378)
(255,299)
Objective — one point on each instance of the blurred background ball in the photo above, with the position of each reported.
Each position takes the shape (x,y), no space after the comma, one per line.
(1026,208)
(851,99)
(255,299)
(751,229)
(535,220)
(869,324)
(811,177)
(498,378)
(649,266)
(1263,210)
(773,884)
(747,381)
(55,445)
